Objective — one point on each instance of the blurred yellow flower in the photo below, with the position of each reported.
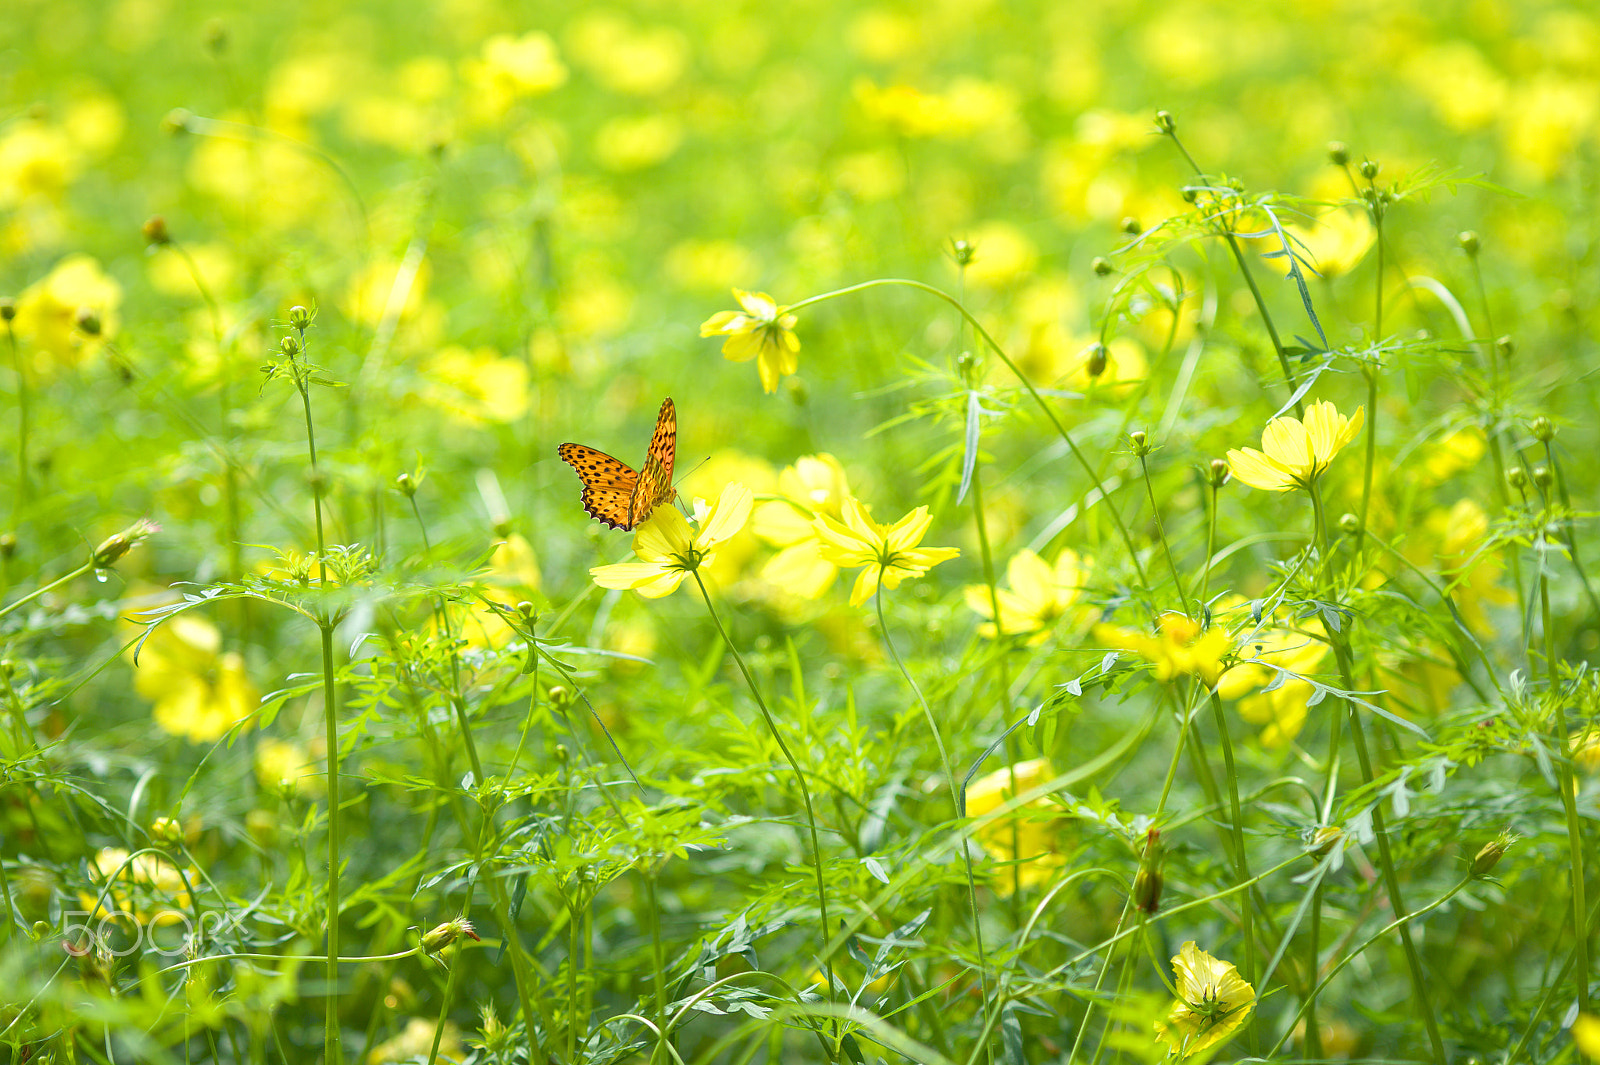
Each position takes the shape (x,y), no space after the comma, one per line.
(634,142)
(1213,1003)
(1281,712)
(37,161)
(282,765)
(171,273)
(1029,837)
(1039,596)
(814,486)
(1333,243)
(763,331)
(1296,454)
(1459,451)
(1001,253)
(709,264)
(889,553)
(638,60)
(671,549)
(1178,646)
(529,65)
(416,1041)
(370,290)
(1473,578)
(47,312)
(1586,1034)
(513,576)
(149,887)
(199,692)
(907,111)
(476,387)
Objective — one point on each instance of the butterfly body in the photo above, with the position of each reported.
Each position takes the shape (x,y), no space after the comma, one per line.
(616,495)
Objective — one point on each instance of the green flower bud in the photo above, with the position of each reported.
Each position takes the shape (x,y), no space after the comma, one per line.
(114,547)
(1147,882)
(528,611)
(1491,853)
(441,936)
(963,252)
(1517,478)
(1097,359)
(1350,524)
(155,231)
(1140,444)
(8,309)
(176,121)
(1543,477)
(1130,226)
(560,697)
(1166,123)
(1505,347)
(1368,169)
(1468,241)
(1217,473)
(1339,153)
(1102,266)
(289,346)
(1322,841)
(1542,430)
(406,485)
(300,318)
(87,321)
(8,546)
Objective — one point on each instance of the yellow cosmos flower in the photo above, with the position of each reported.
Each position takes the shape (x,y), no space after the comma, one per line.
(284,766)
(762,331)
(1029,837)
(815,486)
(1213,1003)
(476,387)
(1586,1033)
(199,691)
(149,887)
(889,552)
(1179,646)
(1295,453)
(1335,242)
(47,312)
(1039,596)
(671,549)
(1473,578)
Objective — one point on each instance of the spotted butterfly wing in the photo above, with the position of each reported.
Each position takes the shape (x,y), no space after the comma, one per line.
(613,493)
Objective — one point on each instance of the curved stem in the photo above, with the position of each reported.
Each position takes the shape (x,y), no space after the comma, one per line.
(37,592)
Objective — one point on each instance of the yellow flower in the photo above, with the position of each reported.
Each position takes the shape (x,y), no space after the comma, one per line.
(1296,454)
(815,486)
(513,575)
(47,311)
(1039,596)
(149,887)
(282,765)
(478,386)
(763,331)
(1586,1033)
(512,69)
(1213,1003)
(1473,581)
(1029,836)
(199,692)
(1335,242)
(1177,647)
(671,550)
(889,552)
(416,1041)
(37,161)
(1282,711)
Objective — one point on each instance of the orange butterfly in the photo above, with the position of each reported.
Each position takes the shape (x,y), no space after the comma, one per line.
(613,494)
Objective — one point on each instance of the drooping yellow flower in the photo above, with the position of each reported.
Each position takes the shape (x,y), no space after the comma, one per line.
(815,486)
(1213,1003)
(199,691)
(1178,646)
(1295,454)
(149,888)
(889,553)
(1029,837)
(671,549)
(1039,596)
(762,331)
(1334,243)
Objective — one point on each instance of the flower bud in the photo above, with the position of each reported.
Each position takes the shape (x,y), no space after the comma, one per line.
(1217,473)
(1102,266)
(441,936)
(1338,153)
(1141,446)
(406,485)
(1517,478)
(8,546)
(8,309)
(1491,853)
(1130,226)
(1368,169)
(166,831)
(87,321)
(1505,347)
(528,611)
(1323,840)
(1147,882)
(1350,524)
(289,346)
(1542,476)
(963,252)
(1190,194)
(501,529)
(1165,122)
(300,318)
(562,754)
(1468,241)
(155,230)
(1542,430)
(114,547)
(493,1033)
(176,121)
(1096,364)
(40,930)
(560,697)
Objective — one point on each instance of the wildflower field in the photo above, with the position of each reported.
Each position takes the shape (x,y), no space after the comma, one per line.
(943,533)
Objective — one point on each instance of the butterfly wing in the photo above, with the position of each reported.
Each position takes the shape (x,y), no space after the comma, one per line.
(609,486)
(654,485)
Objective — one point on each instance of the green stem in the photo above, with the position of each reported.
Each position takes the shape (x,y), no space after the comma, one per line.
(1161,533)
(1572,533)
(994,345)
(1568,801)
(659,953)
(58,582)
(1241,863)
(955,799)
(799,776)
(333,1048)
(1099,981)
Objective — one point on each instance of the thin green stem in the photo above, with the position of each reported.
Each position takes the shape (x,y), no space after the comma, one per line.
(955,799)
(1099,981)
(1241,863)
(58,582)
(1569,805)
(1161,533)
(333,1048)
(799,776)
(658,952)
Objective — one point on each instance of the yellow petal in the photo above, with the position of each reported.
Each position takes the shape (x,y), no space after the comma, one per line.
(730,515)
(623,575)
(664,536)
(1259,471)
